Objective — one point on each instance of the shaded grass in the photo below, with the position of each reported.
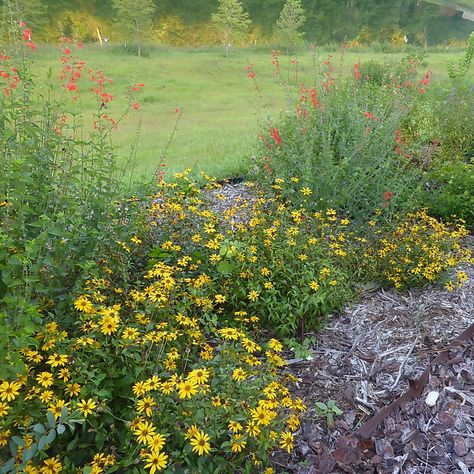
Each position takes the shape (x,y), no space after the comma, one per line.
(221,110)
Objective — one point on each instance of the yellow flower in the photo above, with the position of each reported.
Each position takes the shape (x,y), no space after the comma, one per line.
(156,461)
(275,345)
(235,426)
(199,376)
(57,360)
(130,333)
(238,443)
(252,429)
(46,396)
(262,416)
(156,442)
(144,432)
(187,388)
(4,437)
(45,379)
(253,295)
(139,389)
(86,407)
(153,383)
(314,285)
(200,443)
(286,441)
(192,431)
(306,191)
(239,374)
(146,405)
(9,390)
(109,324)
(4,409)
(51,466)
(56,408)
(73,389)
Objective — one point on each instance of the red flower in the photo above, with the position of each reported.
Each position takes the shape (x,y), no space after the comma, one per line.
(67,51)
(251,74)
(178,110)
(136,106)
(31,45)
(22,24)
(71,86)
(275,134)
(80,45)
(27,34)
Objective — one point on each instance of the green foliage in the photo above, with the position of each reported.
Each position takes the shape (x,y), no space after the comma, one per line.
(135,18)
(462,68)
(232,21)
(287,27)
(341,143)
(451,192)
(60,205)
(328,410)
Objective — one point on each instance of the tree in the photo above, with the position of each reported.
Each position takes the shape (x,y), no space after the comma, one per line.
(135,17)
(287,27)
(33,12)
(231,20)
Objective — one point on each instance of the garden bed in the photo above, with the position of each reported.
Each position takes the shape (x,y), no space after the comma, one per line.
(364,360)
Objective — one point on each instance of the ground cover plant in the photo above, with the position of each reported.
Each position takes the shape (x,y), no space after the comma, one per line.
(141,325)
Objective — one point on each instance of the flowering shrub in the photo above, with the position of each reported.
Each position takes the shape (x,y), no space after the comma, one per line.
(142,380)
(419,249)
(60,193)
(343,141)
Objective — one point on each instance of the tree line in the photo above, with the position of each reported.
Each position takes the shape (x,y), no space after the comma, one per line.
(187,22)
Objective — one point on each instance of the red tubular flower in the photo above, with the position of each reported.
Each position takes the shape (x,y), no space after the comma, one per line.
(275,134)
(136,106)
(31,45)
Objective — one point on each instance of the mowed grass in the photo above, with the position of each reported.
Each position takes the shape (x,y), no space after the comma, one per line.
(221,109)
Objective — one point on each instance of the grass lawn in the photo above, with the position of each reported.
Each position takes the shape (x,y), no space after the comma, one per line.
(221,110)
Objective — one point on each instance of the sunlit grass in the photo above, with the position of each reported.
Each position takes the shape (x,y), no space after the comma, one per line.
(221,109)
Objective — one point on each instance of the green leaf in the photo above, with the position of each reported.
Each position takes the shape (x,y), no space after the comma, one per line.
(60,429)
(225,267)
(50,418)
(39,428)
(87,470)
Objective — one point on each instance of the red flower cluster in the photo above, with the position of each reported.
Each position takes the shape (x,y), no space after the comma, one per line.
(387,195)
(275,134)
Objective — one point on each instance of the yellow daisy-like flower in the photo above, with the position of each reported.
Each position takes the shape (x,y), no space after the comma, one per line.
(275,345)
(314,285)
(51,466)
(87,407)
(200,443)
(238,443)
(252,429)
(146,405)
(139,389)
(9,390)
(153,383)
(155,461)
(56,408)
(45,379)
(109,325)
(187,388)
(4,409)
(144,432)
(262,416)
(157,442)
(239,374)
(57,360)
(73,389)
(192,431)
(286,441)
(253,295)
(235,426)
(199,376)
(130,334)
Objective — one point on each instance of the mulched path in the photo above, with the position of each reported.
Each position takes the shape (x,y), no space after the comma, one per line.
(364,360)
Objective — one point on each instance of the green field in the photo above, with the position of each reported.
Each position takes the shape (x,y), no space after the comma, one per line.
(221,110)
